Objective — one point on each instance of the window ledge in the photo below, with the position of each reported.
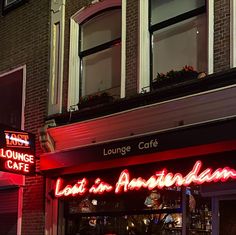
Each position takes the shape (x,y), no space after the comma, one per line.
(210,82)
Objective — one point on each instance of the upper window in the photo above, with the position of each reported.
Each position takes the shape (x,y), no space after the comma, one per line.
(11,4)
(100,53)
(11,96)
(178,31)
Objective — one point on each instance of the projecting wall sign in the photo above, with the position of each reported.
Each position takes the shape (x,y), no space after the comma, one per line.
(17,152)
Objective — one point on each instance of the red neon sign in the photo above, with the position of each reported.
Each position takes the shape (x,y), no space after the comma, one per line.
(160,180)
(15,139)
(15,161)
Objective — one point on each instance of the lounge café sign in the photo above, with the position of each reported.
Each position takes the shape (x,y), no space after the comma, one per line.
(17,151)
(162,178)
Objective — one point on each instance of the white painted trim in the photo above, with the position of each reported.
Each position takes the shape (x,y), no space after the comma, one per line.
(57,17)
(210,38)
(232,33)
(74,61)
(123,49)
(144,48)
(144,43)
(97,6)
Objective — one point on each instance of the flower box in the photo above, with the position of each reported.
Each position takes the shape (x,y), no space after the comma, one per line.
(94,100)
(174,77)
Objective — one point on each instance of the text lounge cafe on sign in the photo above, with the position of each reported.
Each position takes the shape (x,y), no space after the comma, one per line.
(17,151)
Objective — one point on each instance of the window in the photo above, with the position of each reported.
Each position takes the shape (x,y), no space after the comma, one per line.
(178,31)
(100,53)
(12,97)
(11,4)
(98,64)
(56,57)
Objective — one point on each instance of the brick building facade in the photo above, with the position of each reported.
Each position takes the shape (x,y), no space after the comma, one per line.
(24,44)
(47,41)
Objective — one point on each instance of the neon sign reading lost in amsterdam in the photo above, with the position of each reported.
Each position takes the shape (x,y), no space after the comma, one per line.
(161,179)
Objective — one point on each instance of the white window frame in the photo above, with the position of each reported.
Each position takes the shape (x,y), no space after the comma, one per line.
(56,56)
(74,60)
(144,43)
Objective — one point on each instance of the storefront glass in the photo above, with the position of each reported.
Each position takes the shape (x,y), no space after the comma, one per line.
(170,211)
(227,217)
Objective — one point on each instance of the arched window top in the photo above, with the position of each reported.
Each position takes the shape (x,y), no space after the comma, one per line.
(101,29)
(88,12)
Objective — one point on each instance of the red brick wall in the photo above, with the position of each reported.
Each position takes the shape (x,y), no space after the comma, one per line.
(221,35)
(24,40)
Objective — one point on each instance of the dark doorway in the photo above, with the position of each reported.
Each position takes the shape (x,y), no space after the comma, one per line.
(227,209)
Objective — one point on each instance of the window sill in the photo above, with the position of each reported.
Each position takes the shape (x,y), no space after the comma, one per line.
(173,91)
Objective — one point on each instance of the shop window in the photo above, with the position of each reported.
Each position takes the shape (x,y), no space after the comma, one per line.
(100,53)
(170,211)
(178,34)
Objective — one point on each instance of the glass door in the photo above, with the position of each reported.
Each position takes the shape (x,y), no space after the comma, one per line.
(227,219)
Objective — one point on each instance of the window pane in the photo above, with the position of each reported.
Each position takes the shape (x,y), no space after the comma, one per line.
(163,10)
(8,2)
(179,45)
(163,217)
(100,29)
(101,71)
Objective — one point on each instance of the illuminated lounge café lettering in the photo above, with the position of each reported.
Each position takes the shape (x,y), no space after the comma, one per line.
(159,180)
(16,161)
(17,151)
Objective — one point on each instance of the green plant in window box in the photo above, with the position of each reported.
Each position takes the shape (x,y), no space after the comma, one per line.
(94,100)
(174,76)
